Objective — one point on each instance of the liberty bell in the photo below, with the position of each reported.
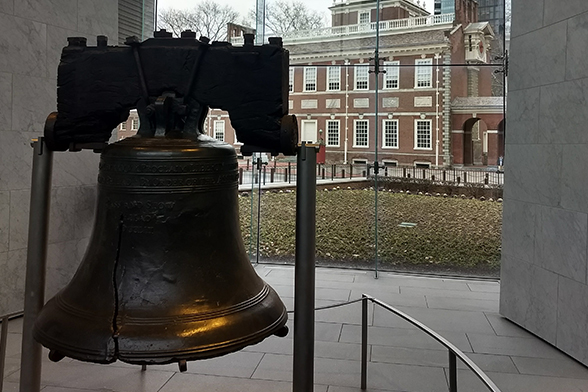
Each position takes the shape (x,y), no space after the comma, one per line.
(165,277)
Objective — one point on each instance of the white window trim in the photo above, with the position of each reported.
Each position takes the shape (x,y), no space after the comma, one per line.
(123,126)
(305,80)
(392,65)
(390,162)
(291,79)
(214,129)
(430,133)
(133,122)
(384,135)
(355,133)
(416,163)
(360,12)
(429,62)
(329,69)
(355,79)
(338,122)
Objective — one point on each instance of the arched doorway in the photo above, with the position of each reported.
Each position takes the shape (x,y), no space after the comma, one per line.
(475,142)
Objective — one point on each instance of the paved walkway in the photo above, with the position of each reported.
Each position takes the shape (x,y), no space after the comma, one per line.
(401,358)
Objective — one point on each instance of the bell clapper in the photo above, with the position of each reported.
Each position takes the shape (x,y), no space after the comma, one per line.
(55,356)
(183,365)
(282,332)
(143,367)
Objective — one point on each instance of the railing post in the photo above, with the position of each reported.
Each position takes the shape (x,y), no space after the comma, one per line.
(350,171)
(240,175)
(289,172)
(452,372)
(444,176)
(342,173)
(264,175)
(272,171)
(323,173)
(304,270)
(30,363)
(465,177)
(364,341)
(3,342)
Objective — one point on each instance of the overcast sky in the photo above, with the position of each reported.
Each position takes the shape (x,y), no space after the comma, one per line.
(243,6)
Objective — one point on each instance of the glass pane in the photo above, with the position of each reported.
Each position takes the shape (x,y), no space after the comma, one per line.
(407,98)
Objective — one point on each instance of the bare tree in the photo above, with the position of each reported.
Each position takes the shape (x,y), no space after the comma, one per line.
(283,16)
(208,18)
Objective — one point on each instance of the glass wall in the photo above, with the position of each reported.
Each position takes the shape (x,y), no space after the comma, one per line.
(407,109)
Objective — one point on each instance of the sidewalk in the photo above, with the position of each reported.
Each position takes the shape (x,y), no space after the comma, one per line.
(401,357)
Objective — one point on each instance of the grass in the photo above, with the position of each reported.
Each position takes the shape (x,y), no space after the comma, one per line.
(451,234)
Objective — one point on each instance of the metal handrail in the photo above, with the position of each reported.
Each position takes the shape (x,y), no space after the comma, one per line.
(3,342)
(454,352)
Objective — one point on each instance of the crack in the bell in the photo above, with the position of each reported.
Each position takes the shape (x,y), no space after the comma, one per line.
(115,286)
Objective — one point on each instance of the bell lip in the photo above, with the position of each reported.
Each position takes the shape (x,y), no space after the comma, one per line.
(115,348)
(162,358)
(219,349)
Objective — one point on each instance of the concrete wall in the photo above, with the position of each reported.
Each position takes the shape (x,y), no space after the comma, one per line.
(32,34)
(545,226)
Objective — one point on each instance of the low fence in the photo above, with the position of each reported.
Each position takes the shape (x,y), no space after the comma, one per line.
(285,173)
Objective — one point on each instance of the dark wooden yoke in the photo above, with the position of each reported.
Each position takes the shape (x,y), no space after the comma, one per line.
(173,82)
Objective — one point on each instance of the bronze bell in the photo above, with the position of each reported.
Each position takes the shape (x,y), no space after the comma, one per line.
(165,277)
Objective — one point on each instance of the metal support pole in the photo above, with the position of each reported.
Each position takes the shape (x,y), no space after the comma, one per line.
(30,364)
(452,372)
(364,341)
(3,342)
(258,208)
(304,272)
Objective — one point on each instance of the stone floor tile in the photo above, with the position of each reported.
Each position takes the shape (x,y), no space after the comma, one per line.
(15,325)
(409,356)
(238,364)
(332,275)
(357,389)
(449,293)
(403,337)
(487,287)
(274,345)
(394,298)
(332,294)
(406,377)
(477,305)
(437,319)
(507,382)
(11,366)
(490,363)
(99,377)
(347,374)
(505,345)
(192,382)
(12,387)
(350,314)
(13,345)
(505,327)
(283,290)
(347,351)
(551,367)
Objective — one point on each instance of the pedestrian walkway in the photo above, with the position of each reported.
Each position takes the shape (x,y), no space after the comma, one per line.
(401,358)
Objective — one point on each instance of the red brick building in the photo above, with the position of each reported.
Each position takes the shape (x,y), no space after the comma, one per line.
(429,113)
